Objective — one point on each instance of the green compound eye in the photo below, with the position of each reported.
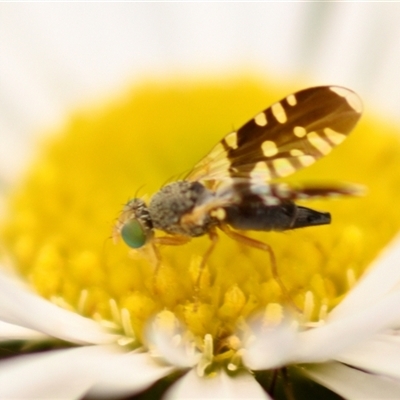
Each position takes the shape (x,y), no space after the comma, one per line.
(133,234)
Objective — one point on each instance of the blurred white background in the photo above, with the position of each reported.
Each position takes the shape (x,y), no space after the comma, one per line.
(57,56)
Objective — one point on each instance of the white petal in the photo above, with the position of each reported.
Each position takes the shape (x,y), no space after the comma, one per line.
(270,348)
(21,307)
(380,355)
(180,354)
(222,386)
(103,371)
(127,374)
(352,383)
(61,374)
(382,277)
(273,348)
(14,332)
(326,342)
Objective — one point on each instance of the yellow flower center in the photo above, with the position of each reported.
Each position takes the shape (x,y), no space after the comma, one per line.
(60,220)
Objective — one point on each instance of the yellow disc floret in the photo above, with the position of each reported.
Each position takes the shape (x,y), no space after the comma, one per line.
(59,224)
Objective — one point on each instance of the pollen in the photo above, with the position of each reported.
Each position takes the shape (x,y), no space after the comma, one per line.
(58,227)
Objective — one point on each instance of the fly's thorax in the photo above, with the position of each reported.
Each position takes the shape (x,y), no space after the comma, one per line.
(134,224)
(178,199)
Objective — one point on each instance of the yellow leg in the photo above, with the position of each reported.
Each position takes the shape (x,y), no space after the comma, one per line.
(171,240)
(264,247)
(214,239)
(166,241)
(180,240)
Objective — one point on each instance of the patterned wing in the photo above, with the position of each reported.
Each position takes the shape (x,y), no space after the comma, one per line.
(274,193)
(248,201)
(291,134)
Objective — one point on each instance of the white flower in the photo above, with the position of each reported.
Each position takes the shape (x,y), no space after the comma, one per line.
(355,353)
(52,61)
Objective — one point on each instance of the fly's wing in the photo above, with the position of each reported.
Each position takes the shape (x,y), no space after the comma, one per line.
(276,193)
(266,206)
(291,134)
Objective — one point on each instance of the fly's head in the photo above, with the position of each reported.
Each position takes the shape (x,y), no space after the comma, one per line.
(134,225)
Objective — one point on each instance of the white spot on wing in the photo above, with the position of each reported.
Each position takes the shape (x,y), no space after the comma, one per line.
(352,99)
(279,112)
(306,160)
(283,167)
(296,153)
(319,143)
(333,136)
(231,140)
(291,99)
(260,173)
(299,131)
(260,119)
(269,148)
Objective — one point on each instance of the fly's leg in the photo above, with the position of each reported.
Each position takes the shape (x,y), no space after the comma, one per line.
(176,240)
(167,241)
(214,240)
(180,240)
(164,241)
(264,247)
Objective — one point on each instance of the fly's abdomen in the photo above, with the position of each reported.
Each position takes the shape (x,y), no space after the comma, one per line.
(256,216)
